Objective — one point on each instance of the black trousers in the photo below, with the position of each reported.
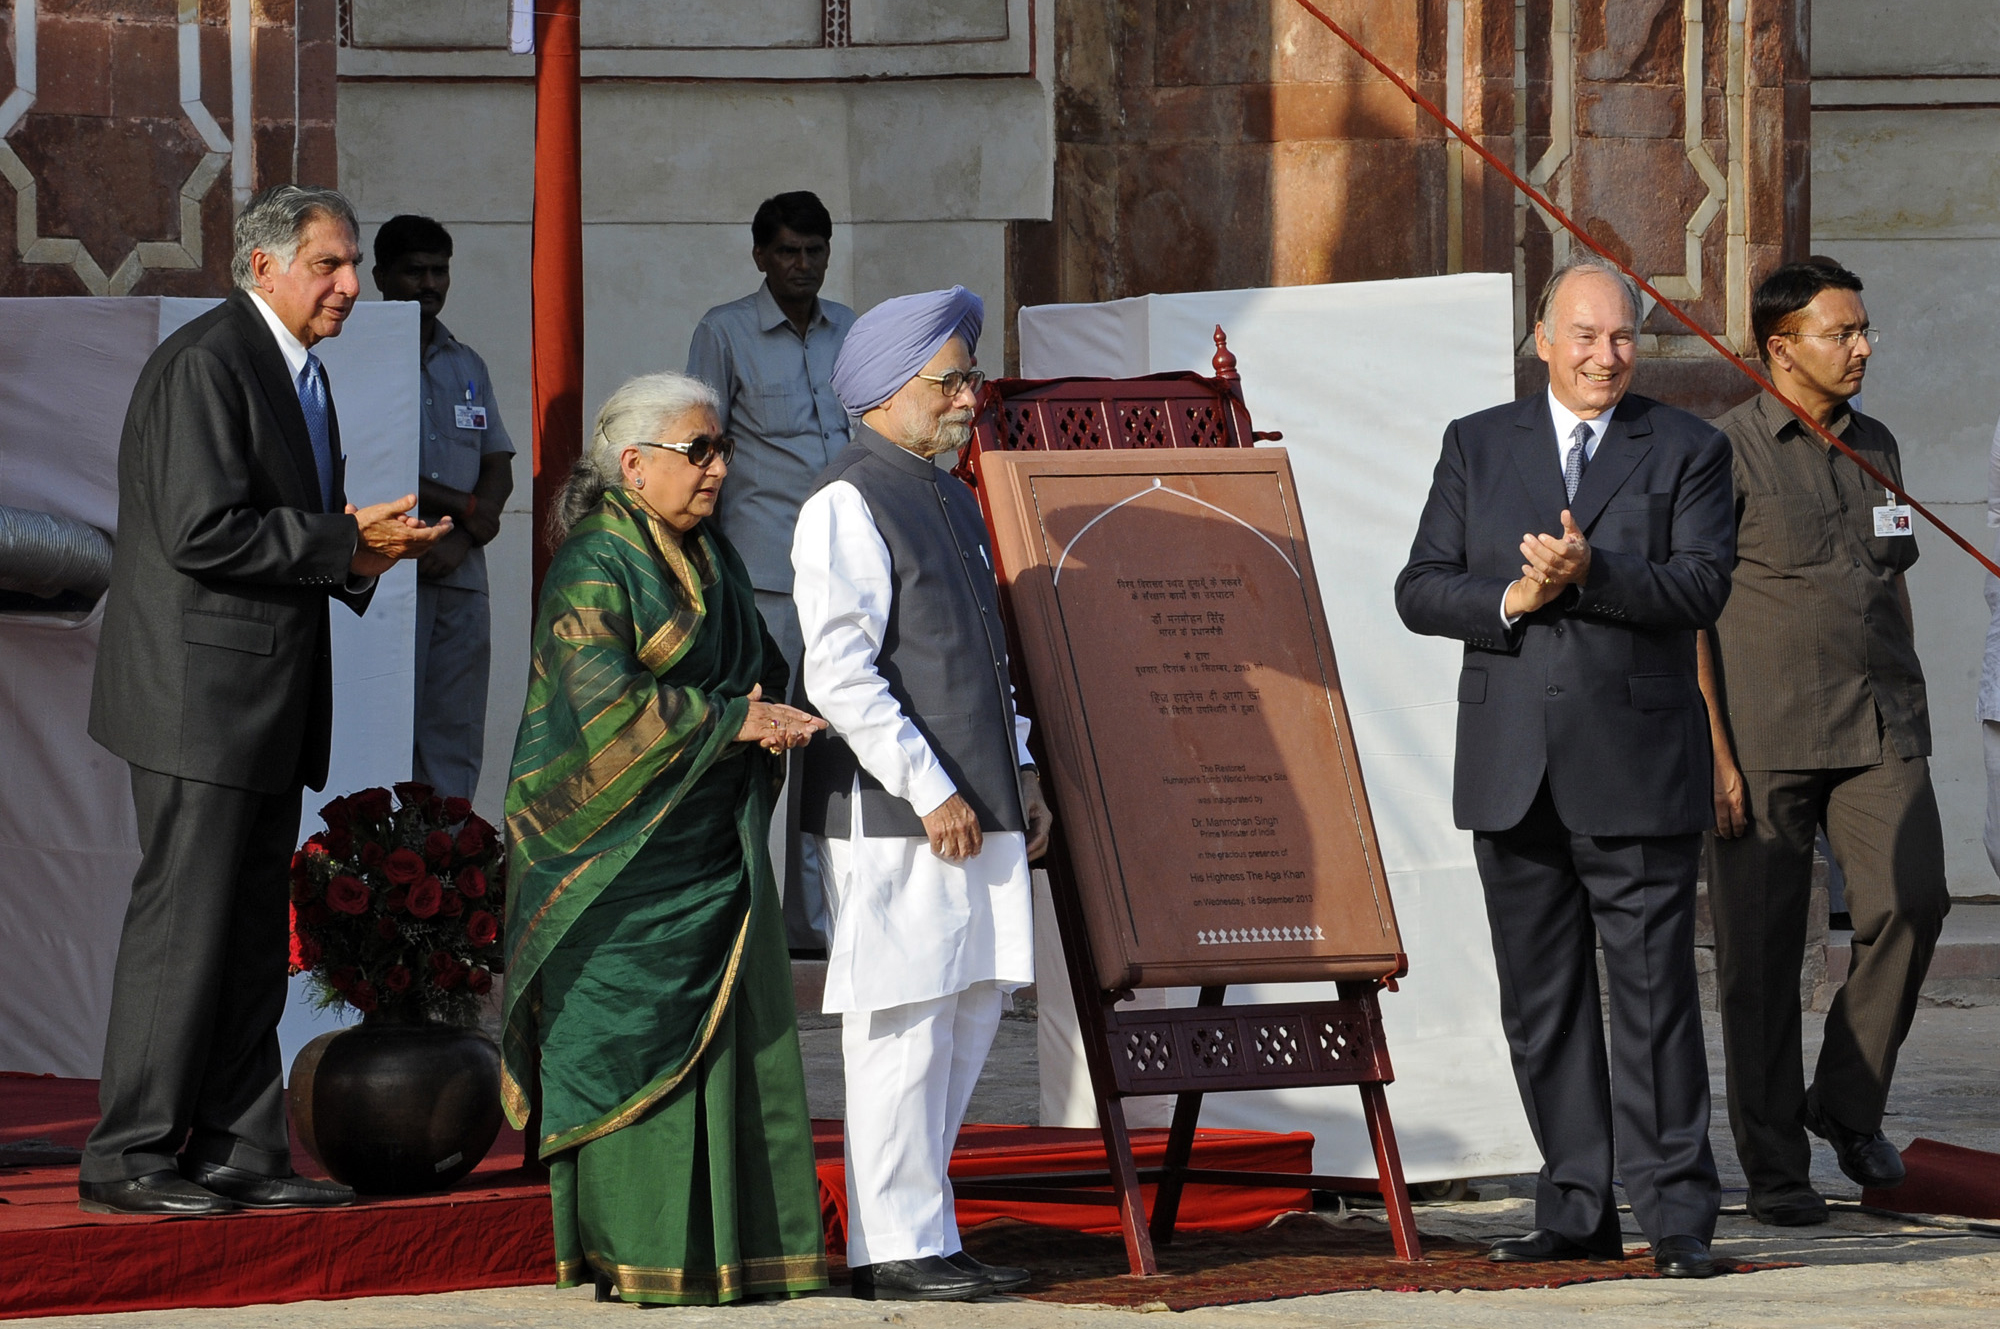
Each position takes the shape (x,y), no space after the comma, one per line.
(1550,895)
(1882,821)
(191,1064)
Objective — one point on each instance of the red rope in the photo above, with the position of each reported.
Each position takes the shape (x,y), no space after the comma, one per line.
(1552,210)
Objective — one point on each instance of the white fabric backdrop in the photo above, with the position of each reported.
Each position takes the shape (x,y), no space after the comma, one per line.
(1362,379)
(68,841)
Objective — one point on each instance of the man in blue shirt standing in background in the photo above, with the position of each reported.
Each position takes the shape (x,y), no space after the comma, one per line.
(467,471)
(770,356)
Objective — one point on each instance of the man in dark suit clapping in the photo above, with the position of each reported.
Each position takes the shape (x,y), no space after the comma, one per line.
(215,681)
(1574,542)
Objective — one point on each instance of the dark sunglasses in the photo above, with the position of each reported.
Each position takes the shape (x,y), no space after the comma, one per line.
(701,449)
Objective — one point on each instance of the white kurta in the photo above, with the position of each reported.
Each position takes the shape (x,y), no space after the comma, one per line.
(907,925)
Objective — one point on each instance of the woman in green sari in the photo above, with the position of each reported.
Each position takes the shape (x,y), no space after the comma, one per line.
(649,994)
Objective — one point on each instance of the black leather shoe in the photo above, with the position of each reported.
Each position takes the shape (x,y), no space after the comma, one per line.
(164,1193)
(256,1191)
(999,1277)
(1867,1159)
(1544,1244)
(1791,1209)
(926,1278)
(1683,1257)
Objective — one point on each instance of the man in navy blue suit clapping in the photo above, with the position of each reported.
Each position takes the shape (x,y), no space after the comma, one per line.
(1575,541)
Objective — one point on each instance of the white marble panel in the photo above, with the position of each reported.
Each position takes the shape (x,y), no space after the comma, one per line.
(957,151)
(711,152)
(708,152)
(698,23)
(1877,37)
(891,22)
(473,160)
(698,40)
(1906,173)
(482,24)
(895,258)
(435,23)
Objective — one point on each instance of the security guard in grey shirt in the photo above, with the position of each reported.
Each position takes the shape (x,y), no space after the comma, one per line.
(770,357)
(467,473)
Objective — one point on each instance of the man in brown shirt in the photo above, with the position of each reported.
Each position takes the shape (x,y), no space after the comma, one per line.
(1818,716)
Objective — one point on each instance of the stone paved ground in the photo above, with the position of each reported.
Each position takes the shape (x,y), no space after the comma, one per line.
(1861,1270)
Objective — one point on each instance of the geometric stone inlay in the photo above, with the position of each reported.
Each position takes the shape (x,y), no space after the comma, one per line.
(182,252)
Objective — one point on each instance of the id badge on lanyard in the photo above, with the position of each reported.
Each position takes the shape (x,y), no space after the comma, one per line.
(467,416)
(1893,518)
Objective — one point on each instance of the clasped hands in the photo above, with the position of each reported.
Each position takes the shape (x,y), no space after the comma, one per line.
(1553,563)
(775,725)
(389,534)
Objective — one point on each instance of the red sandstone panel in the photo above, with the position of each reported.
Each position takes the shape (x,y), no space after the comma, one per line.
(1171,628)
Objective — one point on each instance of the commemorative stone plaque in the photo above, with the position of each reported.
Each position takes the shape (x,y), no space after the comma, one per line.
(1184,679)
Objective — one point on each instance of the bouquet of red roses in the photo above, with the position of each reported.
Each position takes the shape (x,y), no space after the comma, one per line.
(397,908)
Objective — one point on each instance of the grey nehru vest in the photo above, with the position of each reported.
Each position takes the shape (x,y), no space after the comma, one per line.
(944,651)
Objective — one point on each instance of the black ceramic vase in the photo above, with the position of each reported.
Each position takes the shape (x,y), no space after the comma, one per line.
(395,1107)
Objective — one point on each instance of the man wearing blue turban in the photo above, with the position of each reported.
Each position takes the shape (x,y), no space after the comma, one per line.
(925,802)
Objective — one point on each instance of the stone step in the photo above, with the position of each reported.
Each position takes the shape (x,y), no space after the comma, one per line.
(1965,968)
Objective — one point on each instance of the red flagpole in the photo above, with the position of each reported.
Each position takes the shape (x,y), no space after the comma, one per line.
(558,260)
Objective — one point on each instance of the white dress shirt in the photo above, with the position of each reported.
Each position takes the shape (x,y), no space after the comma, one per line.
(294,352)
(908,926)
(1566,423)
(289,346)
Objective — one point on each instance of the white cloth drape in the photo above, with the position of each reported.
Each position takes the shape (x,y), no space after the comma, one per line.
(1362,379)
(68,839)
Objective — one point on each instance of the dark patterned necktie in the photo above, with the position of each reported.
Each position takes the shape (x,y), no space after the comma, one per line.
(1579,457)
(312,400)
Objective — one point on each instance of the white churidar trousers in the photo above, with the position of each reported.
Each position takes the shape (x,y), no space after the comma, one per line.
(910,1073)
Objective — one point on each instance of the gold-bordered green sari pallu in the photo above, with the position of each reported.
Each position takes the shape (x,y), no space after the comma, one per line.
(612,742)
(648,1008)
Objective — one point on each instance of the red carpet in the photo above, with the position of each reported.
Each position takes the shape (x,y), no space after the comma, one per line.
(1943,1179)
(490,1231)
(1299,1256)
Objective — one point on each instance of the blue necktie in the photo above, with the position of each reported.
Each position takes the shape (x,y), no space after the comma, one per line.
(1579,457)
(312,400)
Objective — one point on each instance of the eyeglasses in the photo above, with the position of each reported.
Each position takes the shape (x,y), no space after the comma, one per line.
(954,381)
(701,449)
(1840,338)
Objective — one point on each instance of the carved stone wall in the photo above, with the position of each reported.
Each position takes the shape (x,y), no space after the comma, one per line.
(122,153)
(1211,146)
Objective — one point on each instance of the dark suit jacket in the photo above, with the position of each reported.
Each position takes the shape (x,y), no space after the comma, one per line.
(1597,690)
(215,662)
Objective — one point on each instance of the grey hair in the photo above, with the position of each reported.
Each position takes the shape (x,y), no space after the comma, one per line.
(1584,260)
(275,221)
(639,412)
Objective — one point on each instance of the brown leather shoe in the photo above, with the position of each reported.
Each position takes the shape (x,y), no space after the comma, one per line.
(162,1194)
